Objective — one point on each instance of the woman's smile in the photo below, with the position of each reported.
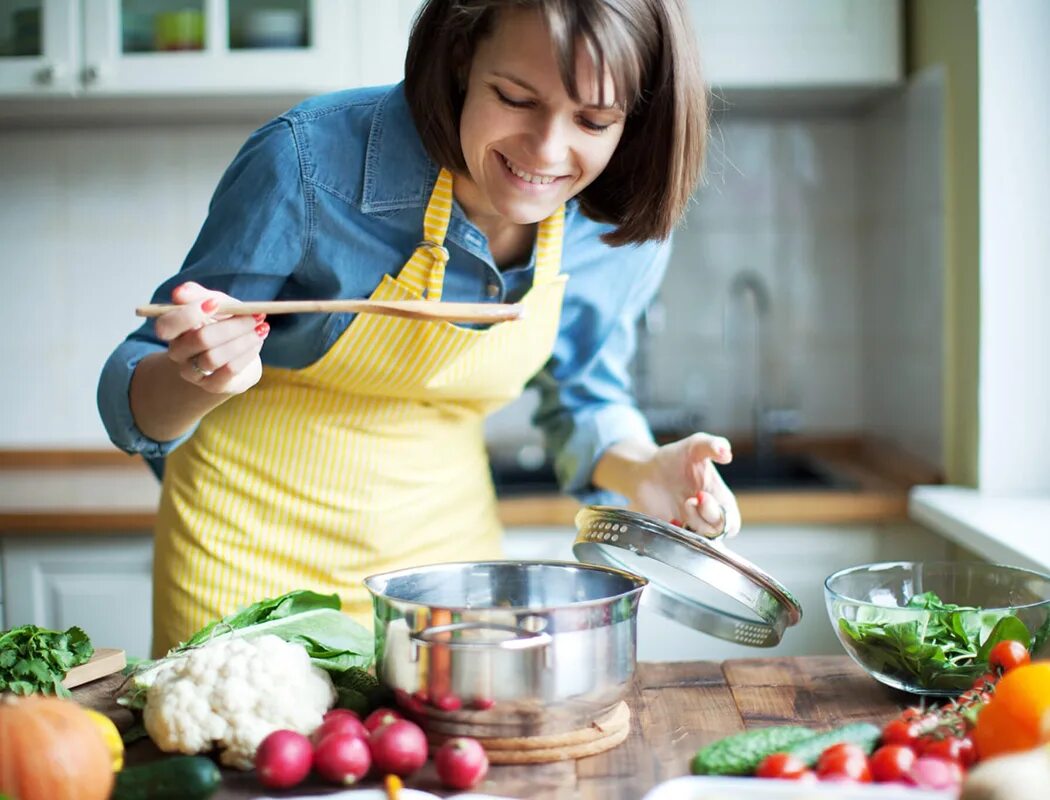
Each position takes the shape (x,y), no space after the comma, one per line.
(528,180)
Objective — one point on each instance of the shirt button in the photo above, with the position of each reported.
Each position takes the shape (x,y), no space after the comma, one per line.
(492,290)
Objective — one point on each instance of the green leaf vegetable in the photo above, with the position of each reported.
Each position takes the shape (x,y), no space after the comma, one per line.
(35,660)
(334,641)
(945,649)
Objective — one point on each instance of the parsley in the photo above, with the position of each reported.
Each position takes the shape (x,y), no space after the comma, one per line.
(35,660)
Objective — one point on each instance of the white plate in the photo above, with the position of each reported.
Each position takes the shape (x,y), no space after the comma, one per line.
(707,787)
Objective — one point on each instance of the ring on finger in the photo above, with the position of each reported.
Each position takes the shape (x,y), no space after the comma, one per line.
(204,373)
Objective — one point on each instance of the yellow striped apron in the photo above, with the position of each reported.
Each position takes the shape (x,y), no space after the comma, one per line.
(370,459)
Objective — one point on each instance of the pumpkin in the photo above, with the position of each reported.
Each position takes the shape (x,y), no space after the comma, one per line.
(50,749)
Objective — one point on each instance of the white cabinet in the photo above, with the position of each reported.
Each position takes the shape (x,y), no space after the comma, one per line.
(101,583)
(39,47)
(197,48)
(800,557)
(766,44)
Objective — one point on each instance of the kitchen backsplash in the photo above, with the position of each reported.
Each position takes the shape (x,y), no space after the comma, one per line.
(824,211)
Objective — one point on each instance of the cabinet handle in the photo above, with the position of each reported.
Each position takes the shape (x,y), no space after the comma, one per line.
(48,74)
(92,73)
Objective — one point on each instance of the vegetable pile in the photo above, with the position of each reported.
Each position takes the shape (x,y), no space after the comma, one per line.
(34,660)
(943,650)
(1006,710)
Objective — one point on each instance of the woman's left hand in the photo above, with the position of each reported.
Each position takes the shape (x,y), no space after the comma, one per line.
(679,482)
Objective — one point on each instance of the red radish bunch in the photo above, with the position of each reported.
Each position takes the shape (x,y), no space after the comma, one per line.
(344,749)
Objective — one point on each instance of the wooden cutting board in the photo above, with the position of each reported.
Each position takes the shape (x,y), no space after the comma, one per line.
(105,661)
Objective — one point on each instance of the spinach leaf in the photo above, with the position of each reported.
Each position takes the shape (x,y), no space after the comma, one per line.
(944,649)
(35,660)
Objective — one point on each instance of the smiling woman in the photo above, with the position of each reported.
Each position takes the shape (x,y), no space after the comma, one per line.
(531,143)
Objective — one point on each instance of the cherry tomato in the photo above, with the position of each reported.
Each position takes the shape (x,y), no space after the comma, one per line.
(986,682)
(953,748)
(892,762)
(844,762)
(1008,655)
(899,731)
(781,765)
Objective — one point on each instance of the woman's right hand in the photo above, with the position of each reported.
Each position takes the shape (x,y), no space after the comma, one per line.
(219,354)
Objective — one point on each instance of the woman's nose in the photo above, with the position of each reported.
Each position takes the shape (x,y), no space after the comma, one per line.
(550,141)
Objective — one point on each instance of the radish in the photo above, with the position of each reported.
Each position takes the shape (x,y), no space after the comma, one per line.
(380,717)
(929,772)
(461,763)
(399,747)
(340,723)
(342,758)
(338,712)
(283,759)
(448,702)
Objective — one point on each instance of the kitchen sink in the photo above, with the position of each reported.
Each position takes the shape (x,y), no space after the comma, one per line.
(777,473)
(781,472)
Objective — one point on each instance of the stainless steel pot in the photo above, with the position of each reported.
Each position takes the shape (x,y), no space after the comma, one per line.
(506,648)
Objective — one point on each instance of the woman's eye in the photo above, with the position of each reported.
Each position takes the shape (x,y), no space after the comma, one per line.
(509,102)
(593,126)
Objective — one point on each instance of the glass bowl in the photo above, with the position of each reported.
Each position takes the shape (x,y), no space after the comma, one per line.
(927,627)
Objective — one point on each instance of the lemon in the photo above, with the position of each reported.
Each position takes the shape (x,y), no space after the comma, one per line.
(111,736)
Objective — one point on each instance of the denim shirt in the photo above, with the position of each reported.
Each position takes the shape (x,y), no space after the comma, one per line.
(324,200)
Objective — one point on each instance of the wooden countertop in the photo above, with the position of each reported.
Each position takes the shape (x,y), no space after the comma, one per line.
(105,492)
(676,708)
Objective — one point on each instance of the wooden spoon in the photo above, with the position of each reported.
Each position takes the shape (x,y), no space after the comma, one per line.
(409,309)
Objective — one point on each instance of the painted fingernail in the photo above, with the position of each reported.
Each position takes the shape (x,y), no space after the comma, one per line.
(209,305)
(677,523)
(262,329)
(700,498)
(258,317)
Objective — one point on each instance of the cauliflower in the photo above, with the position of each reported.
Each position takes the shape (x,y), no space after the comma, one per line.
(232,693)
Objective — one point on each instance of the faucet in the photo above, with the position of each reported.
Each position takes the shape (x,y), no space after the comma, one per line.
(744,284)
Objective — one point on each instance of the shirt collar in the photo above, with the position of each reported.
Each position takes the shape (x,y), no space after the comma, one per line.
(398,172)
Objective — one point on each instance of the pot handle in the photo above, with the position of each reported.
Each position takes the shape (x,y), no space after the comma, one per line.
(524,640)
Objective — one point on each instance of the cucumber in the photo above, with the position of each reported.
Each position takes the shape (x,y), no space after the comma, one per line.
(177,778)
(863,734)
(741,753)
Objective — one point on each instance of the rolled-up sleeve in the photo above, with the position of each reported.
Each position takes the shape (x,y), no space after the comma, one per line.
(254,237)
(586,400)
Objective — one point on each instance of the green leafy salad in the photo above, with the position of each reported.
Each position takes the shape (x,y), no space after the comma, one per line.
(945,649)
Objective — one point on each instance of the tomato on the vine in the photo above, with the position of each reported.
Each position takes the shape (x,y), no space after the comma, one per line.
(891,762)
(901,731)
(961,750)
(782,765)
(844,761)
(1009,654)
(986,683)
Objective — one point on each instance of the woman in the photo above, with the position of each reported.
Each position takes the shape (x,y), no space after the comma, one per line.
(537,152)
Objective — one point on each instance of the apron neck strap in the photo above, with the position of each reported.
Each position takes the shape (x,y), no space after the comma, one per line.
(425,270)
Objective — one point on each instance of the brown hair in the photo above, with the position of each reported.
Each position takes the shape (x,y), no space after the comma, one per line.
(650,49)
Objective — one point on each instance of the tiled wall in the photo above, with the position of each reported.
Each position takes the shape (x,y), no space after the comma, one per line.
(92,219)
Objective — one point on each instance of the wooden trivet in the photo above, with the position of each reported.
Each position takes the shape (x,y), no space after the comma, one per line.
(603,734)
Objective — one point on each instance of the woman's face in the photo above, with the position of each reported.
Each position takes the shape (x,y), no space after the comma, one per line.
(529,147)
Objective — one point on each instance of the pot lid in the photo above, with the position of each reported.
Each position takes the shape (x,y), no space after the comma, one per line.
(693,580)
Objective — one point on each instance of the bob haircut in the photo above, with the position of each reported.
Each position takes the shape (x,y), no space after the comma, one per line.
(649,49)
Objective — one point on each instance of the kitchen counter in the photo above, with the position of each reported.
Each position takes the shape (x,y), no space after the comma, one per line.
(106,492)
(676,708)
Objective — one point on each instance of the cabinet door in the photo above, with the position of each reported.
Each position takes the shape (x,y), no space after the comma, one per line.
(202,47)
(101,583)
(39,47)
(799,43)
